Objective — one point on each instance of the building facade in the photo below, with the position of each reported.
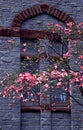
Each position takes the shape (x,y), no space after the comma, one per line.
(22,21)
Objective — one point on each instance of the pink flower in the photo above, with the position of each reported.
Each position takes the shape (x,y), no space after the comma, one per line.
(59,84)
(24,44)
(67,55)
(58,26)
(67,31)
(81,85)
(64,74)
(81,57)
(74,73)
(79,31)
(60,79)
(75,79)
(24,50)
(21,95)
(81,67)
(39,94)
(53,31)
(46,85)
(53,72)
(80,25)
(19,89)
(10,41)
(70,24)
(55,66)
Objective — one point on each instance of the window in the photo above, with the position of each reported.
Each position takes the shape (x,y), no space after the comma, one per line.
(38,56)
(15,31)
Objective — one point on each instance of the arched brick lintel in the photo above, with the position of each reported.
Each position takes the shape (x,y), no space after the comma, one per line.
(40,9)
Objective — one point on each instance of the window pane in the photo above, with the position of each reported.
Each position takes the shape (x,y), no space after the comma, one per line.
(58,94)
(55,48)
(29,56)
(30,65)
(31,62)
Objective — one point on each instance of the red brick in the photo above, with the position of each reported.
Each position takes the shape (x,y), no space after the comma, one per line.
(28,14)
(58,14)
(49,9)
(20,16)
(64,18)
(52,11)
(61,16)
(17,19)
(69,19)
(33,10)
(30,11)
(38,9)
(24,13)
(44,8)
(11,32)
(55,12)
(15,24)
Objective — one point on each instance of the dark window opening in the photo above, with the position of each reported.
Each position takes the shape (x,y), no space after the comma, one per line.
(31,58)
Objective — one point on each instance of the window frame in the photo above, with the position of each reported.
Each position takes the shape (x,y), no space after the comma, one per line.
(60,106)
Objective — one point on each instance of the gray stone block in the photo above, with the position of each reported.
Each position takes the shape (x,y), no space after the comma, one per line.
(10,60)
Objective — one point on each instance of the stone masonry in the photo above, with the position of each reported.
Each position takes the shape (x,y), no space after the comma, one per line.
(11,116)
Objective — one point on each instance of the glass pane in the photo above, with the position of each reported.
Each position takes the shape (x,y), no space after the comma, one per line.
(55,48)
(29,56)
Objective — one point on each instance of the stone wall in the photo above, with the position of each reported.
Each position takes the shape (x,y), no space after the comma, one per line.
(30,121)
(55,121)
(61,121)
(8,9)
(76,108)
(9,62)
(9,55)
(10,114)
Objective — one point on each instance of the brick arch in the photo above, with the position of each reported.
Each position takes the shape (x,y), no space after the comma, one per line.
(40,9)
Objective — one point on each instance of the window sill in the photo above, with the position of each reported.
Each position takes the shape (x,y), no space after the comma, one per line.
(64,106)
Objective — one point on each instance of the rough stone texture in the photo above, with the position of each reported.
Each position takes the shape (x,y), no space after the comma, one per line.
(61,121)
(45,121)
(9,55)
(9,114)
(76,109)
(74,8)
(10,59)
(30,121)
(9,62)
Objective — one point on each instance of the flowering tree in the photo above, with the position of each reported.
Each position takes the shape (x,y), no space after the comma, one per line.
(27,86)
